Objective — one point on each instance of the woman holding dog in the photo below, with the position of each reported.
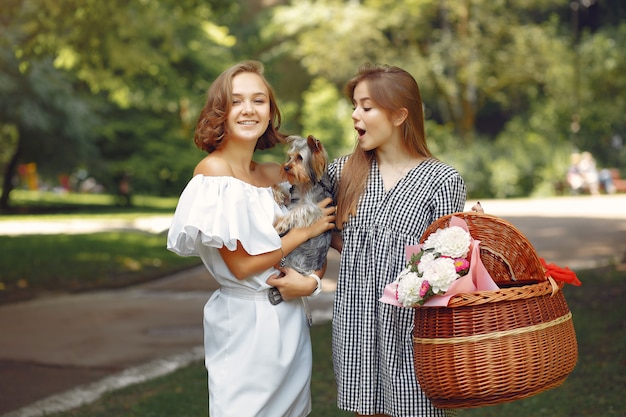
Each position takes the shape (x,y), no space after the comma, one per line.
(387,192)
(257,351)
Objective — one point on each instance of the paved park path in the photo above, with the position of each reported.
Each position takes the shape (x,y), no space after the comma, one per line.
(62,351)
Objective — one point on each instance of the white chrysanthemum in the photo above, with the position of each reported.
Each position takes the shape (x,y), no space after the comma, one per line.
(431,240)
(409,288)
(440,274)
(427,257)
(453,241)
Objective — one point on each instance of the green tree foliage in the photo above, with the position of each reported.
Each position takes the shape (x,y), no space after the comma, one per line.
(114,87)
(330,38)
(153,153)
(323,107)
(141,53)
(512,87)
(602,102)
(143,62)
(466,54)
(48,120)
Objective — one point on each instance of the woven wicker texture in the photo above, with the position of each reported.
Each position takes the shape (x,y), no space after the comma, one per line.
(491,347)
(506,253)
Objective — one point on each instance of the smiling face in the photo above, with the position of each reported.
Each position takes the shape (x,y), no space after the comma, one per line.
(373,124)
(249,114)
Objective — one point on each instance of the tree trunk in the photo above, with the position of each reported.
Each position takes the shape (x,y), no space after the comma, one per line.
(9,172)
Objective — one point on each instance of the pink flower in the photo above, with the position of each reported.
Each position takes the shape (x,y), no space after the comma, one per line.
(424,288)
(461,265)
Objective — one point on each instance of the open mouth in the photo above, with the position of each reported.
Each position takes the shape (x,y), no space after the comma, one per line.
(361,132)
(247,123)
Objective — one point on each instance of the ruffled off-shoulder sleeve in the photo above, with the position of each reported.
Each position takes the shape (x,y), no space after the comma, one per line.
(219,211)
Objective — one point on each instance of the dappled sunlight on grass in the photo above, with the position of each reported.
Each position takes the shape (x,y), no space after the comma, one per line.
(23,197)
(92,257)
(71,262)
(77,262)
(130,264)
(51,205)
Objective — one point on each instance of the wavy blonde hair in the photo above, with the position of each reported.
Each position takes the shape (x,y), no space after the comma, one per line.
(211,126)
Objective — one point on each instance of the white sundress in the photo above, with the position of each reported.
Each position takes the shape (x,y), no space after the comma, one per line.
(258,355)
(372,341)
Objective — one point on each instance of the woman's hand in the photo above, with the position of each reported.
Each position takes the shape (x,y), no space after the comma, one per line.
(326,222)
(478,208)
(325,203)
(292,284)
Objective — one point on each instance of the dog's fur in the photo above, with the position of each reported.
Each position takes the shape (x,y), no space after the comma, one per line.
(305,170)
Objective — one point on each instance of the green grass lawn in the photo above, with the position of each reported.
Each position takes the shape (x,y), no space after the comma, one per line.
(33,264)
(45,204)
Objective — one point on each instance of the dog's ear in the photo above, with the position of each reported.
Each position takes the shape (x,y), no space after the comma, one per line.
(314,144)
(319,157)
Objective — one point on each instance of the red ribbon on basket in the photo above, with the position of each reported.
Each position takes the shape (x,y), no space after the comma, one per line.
(560,274)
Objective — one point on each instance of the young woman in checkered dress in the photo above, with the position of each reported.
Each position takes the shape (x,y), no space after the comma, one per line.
(387,191)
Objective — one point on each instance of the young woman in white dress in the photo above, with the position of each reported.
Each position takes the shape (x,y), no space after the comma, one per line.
(257,353)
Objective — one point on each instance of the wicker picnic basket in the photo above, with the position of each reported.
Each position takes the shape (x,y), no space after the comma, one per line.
(491,347)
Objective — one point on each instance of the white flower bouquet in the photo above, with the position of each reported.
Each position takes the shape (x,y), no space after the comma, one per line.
(447,263)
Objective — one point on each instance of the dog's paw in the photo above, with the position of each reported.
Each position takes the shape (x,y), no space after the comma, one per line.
(281,196)
(281,225)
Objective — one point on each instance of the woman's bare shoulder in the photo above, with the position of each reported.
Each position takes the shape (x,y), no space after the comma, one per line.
(271,172)
(213,166)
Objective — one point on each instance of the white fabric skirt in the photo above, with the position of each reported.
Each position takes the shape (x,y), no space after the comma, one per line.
(258,355)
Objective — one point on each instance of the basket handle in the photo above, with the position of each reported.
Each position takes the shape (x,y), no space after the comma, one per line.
(555,286)
(501,258)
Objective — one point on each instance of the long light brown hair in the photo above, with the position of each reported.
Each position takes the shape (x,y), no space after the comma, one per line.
(392,89)
(211,126)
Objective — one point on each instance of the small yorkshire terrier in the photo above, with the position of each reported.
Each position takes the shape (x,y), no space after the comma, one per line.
(305,170)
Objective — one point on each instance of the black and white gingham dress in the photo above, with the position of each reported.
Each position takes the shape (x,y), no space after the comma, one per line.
(372,341)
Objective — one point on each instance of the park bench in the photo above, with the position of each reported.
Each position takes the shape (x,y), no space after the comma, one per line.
(618,182)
